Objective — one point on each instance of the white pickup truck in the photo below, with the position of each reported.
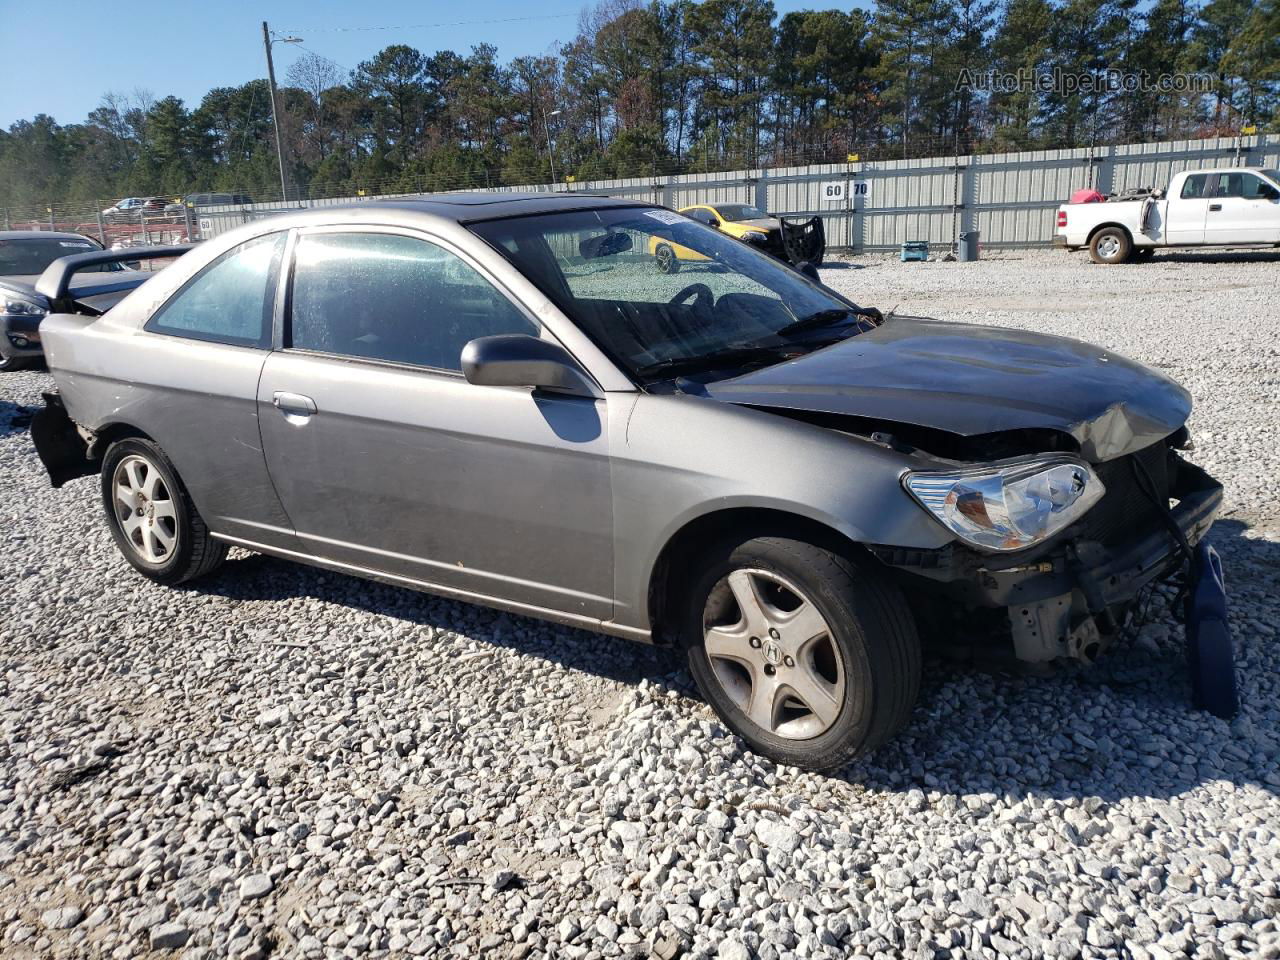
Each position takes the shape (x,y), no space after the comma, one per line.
(1223,207)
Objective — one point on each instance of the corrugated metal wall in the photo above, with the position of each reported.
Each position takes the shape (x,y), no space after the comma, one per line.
(1009,197)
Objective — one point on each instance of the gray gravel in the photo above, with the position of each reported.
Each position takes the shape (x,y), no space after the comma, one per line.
(293,761)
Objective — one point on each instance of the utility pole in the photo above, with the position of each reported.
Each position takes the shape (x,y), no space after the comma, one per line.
(551,159)
(275,105)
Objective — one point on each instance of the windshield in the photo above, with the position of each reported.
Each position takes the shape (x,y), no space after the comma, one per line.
(1272,175)
(737,212)
(665,296)
(29,256)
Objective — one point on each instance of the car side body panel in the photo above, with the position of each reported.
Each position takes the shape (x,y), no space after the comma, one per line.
(495,491)
(197,400)
(687,457)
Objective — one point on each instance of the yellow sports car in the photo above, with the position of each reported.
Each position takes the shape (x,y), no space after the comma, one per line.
(739,220)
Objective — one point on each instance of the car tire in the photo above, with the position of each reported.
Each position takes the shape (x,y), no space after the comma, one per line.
(1110,245)
(151,516)
(666,259)
(14,364)
(861,668)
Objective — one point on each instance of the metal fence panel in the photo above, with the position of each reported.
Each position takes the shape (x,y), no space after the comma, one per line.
(1009,197)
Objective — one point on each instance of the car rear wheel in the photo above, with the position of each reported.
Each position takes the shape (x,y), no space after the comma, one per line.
(152,518)
(1110,245)
(806,657)
(667,260)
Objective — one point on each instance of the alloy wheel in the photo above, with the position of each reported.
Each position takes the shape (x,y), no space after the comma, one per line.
(1108,247)
(773,654)
(144,509)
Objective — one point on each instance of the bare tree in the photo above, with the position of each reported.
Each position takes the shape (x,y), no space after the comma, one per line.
(314,76)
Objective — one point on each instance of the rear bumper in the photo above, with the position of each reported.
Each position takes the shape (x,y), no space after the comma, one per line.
(62,449)
(1060,240)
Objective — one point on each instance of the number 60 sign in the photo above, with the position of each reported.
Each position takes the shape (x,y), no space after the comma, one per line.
(833,191)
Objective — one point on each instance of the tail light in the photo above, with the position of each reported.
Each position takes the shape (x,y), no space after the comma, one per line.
(1062,218)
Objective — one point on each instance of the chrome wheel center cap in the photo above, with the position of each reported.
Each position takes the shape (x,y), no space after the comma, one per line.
(772,652)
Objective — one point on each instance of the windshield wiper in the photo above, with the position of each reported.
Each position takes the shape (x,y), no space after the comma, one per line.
(816,321)
(731,356)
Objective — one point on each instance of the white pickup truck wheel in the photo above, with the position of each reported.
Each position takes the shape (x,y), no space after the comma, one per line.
(1110,245)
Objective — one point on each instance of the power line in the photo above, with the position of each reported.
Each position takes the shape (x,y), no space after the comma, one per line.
(432,26)
(301,45)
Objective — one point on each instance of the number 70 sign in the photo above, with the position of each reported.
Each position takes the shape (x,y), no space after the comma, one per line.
(833,191)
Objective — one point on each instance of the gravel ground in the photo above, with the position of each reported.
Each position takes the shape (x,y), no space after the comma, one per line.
(285,760)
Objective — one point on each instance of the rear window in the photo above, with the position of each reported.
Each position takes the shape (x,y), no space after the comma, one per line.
(31,256)
(740,211)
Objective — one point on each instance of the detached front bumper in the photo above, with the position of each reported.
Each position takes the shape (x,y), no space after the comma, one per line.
(1063,597)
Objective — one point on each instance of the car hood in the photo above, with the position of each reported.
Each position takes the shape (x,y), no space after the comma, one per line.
(97,291)
(762,223)
(971,380)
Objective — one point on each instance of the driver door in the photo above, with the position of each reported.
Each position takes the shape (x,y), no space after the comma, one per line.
(387,460)
(1243,208)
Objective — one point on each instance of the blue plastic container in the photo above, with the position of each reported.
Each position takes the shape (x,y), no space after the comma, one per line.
(915,250)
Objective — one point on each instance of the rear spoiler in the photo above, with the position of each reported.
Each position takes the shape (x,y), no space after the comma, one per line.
(56,279)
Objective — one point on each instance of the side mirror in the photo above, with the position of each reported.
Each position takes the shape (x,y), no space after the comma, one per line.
(713,222)
(519,360)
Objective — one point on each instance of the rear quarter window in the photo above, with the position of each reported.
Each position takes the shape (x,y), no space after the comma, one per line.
(230,300)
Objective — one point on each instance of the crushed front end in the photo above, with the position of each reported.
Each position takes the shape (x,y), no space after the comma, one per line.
(1069,595)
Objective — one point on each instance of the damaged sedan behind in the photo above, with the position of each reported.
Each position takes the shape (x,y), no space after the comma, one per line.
(496,398)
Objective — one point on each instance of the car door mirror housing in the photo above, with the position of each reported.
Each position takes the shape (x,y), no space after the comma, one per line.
(519,360)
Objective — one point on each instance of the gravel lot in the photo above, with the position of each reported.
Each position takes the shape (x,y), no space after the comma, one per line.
(287,760)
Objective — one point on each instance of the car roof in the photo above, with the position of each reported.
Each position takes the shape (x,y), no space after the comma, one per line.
(471,207)
(1227,170)
(436,211)
(41,235)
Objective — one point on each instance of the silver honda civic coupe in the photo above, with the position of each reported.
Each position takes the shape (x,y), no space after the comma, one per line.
(501,398)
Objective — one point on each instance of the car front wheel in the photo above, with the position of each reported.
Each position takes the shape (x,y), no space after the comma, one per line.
(152,518)
(14,364)
(806,657)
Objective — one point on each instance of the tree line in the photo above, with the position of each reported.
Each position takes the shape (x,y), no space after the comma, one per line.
(675,86)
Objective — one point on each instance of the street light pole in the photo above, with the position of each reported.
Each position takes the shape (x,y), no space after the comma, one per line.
(551,158)
(275,104)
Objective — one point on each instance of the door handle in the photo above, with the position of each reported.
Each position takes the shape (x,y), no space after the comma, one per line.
(293,405)
(1213,207)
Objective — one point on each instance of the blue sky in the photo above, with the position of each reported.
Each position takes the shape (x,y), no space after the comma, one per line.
(185,47)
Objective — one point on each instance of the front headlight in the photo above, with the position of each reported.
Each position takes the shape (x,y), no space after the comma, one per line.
(16,307)
(1008,507)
